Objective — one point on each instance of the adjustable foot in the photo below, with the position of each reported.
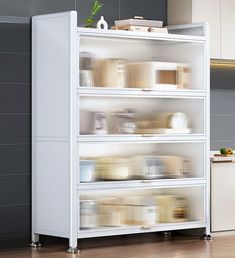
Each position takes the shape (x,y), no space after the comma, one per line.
(72,250)
(35,244)
(207,237)
(167,235)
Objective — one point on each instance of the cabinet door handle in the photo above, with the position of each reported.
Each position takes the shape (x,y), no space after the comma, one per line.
(147,90)
(146,227)
(147,181)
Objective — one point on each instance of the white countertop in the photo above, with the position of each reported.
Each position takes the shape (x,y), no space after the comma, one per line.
(228,158)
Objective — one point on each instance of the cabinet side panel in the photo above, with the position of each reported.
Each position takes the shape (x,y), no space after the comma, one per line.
(51,188)
(179,12)
(54,131)
(51,76)
(227,29)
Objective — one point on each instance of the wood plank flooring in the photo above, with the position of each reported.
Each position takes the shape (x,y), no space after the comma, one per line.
(219,247)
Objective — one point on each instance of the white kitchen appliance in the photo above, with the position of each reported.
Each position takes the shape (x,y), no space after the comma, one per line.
(159,75)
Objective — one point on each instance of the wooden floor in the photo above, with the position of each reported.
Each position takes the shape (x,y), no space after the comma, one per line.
(219,247)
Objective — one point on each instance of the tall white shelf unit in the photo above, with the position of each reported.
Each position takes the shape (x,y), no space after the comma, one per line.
(57,145)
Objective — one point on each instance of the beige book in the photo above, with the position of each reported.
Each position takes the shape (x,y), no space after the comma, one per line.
(140,28)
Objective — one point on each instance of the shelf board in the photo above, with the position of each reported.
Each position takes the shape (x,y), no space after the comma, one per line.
(140,35)
(108,231)
(142,93)
(138,138)
(140,184)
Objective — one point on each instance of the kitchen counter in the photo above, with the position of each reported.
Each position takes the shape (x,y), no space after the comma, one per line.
(222,193)
(215,159)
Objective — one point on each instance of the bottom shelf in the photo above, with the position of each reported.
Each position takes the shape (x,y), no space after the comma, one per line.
(112,231)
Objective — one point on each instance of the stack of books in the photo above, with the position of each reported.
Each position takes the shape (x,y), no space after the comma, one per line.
(139,24)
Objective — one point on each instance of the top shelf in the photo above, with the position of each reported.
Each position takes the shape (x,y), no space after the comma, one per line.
(140,35)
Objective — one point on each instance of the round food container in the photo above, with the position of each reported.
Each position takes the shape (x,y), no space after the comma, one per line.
(88,214)
(87,171)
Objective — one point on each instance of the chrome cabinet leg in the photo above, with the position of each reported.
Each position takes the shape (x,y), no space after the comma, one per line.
(72,250)
(35,241)
(206,237)
(35,244)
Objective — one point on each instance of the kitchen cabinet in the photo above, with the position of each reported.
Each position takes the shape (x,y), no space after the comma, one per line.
(220,16)
(85,123)
(197,11)
(222,194)
(227,29)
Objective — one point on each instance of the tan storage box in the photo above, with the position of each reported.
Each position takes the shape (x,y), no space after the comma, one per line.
(172,208)
(111,73)
(112,168)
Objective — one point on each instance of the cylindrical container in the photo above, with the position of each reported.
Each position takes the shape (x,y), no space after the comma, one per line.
(111,73)
(86,78)
(93,122)
(87,171)
(88,214)
(123,122)
(86,64)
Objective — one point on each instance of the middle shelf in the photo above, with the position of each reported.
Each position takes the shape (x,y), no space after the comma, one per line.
(159,116)
(138,164)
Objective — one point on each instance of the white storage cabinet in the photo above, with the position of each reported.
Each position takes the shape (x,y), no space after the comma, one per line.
(58,144)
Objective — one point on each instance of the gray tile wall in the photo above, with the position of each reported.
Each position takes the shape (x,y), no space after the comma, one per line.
(14,134)
(222,118)
(15,102)
(112,9)
(123,9)
(222,107)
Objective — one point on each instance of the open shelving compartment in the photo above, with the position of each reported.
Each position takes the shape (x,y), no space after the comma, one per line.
(176,81)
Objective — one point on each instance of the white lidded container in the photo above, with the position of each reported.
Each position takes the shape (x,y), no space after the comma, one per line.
(88,214)
(140,210)
(87,171)
(147,167)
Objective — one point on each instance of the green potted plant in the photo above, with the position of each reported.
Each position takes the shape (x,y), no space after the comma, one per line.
(90,21)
